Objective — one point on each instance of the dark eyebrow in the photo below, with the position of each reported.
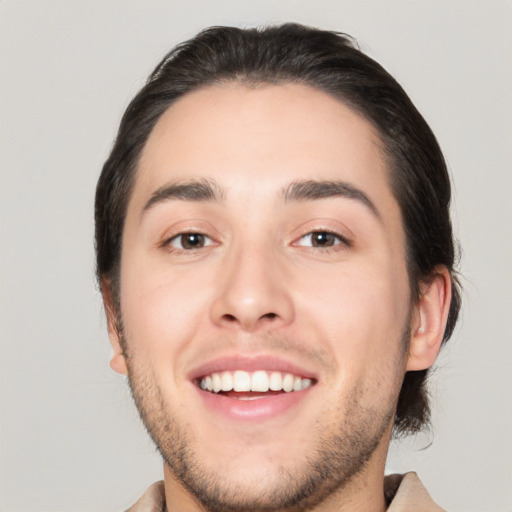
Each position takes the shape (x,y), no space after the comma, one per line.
(194,190)
(311,190)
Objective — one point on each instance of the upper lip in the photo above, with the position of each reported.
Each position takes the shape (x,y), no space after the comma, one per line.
(250,363)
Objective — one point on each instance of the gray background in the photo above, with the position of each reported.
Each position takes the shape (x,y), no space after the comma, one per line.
(70,439)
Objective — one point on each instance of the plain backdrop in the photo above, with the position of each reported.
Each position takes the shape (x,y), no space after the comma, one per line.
(70,438)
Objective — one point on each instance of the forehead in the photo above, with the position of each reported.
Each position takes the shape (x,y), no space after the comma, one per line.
(261,139)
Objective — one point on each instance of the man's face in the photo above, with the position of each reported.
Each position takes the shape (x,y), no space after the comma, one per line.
(263,247)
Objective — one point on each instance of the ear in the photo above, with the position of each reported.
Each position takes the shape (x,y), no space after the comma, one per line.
(429,320)
(117,360)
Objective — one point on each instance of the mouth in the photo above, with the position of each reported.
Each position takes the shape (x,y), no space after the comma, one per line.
(259,384)
(255,388)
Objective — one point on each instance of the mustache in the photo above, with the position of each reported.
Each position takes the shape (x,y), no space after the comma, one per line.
(275,343)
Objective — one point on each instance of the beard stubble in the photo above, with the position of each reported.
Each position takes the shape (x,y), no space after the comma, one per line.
(340,450)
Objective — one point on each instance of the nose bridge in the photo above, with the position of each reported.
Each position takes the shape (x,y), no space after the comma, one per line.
(252,289)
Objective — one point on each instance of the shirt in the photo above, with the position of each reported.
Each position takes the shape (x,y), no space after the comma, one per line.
(404,493)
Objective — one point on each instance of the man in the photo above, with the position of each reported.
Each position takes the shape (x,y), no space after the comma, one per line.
(276,259)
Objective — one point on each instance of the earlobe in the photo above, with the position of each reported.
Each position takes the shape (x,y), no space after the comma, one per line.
(429,321)
(118,363)
(117,359)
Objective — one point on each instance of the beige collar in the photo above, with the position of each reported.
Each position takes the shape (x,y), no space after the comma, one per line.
(405,493)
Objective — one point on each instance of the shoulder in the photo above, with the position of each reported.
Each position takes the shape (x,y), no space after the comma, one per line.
(153,500)
(407,493)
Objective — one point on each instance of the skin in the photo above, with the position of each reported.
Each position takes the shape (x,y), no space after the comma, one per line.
(259,283)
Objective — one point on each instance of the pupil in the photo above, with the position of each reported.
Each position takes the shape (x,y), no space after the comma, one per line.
(192,240)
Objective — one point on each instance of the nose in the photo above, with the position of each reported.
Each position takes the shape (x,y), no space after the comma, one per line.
(253,293)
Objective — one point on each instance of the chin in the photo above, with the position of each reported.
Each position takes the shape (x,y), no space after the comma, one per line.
(289,459)
(268,474)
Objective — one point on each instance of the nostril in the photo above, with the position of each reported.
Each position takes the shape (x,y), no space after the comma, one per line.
(248,321)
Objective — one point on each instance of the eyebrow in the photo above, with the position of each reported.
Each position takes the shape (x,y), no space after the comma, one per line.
(196,190)
(308,190)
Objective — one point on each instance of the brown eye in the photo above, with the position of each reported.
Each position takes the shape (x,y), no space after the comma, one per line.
(190,241)
(323,239)
(320,239)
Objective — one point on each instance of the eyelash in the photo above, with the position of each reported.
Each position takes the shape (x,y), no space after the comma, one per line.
(168,243)
(207,241)
(340,240)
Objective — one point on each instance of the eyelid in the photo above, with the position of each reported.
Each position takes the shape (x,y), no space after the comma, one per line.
(177,237)
(345,236)
(181,229)
(341,239)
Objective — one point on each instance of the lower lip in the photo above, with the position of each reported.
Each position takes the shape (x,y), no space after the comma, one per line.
(252,410)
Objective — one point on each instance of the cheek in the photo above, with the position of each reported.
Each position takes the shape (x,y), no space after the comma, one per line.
(361,315)
(162,310)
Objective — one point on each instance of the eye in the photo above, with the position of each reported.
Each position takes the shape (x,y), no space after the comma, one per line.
(321,239)
(190,241)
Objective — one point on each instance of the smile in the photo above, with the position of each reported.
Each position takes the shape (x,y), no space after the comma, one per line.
(259,381)
(252,387)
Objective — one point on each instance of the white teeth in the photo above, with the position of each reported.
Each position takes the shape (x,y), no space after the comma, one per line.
(306,383)
(288,382)
(217,383)
(227,381)
(259,381)
(241,381)
(275,381)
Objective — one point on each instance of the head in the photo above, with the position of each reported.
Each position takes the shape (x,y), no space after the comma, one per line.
(279,77)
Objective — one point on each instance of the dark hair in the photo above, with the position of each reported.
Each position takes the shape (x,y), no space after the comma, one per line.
(327,61)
